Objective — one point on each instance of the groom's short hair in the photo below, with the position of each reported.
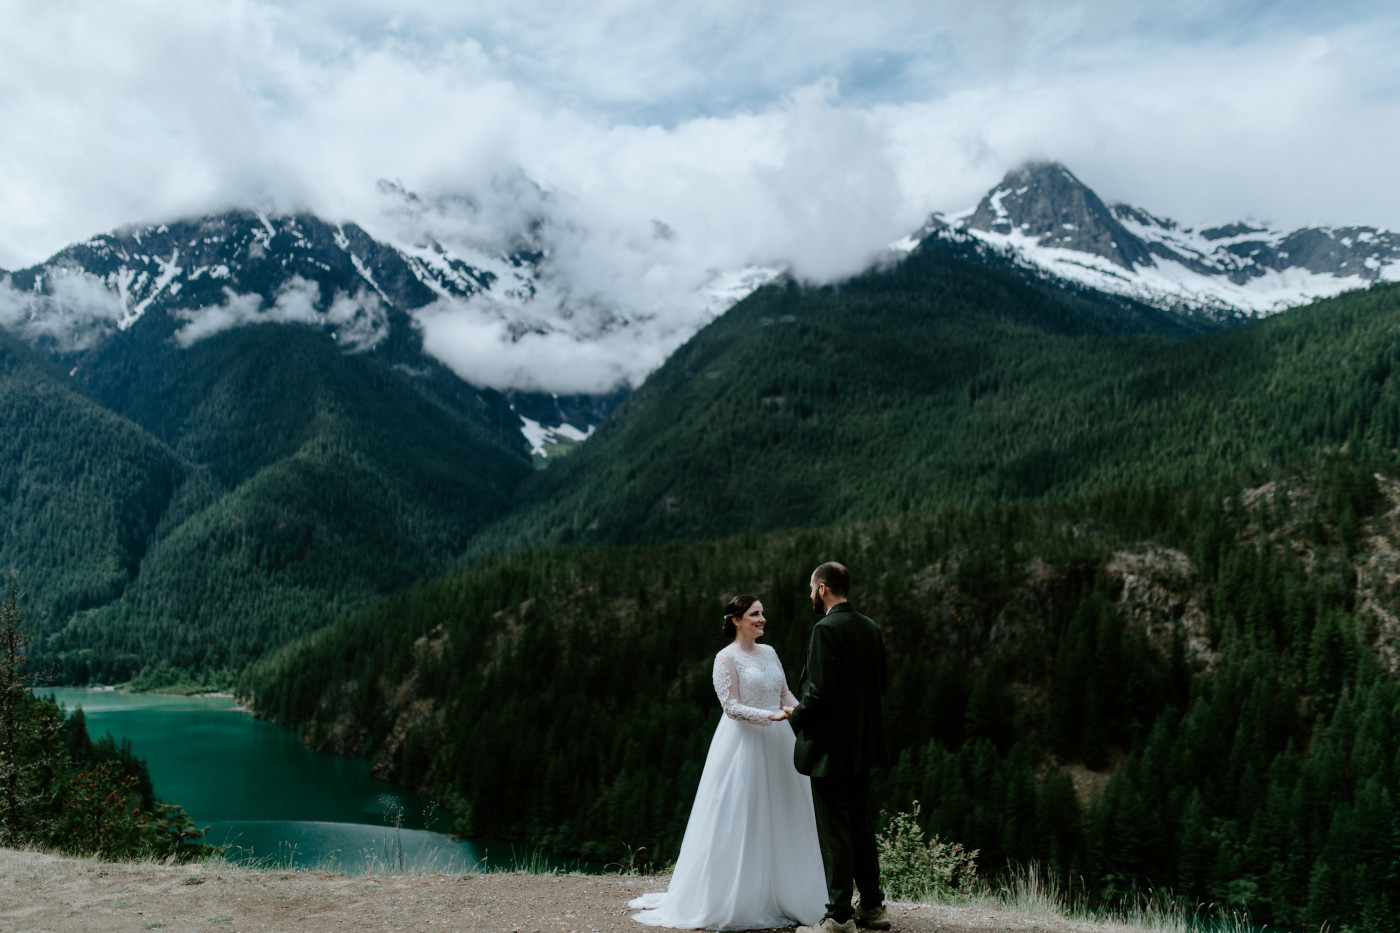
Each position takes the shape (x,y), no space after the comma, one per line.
(835,576)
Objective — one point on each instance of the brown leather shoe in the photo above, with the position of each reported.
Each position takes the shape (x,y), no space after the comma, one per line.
(875,919)
(828,925)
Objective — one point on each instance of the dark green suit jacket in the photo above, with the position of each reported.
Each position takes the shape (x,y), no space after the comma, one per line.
(839,726)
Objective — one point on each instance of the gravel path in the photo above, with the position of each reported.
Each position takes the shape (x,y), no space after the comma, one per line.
(39,891)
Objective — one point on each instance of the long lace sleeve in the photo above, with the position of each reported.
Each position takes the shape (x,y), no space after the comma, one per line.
(726,679)
(788,698)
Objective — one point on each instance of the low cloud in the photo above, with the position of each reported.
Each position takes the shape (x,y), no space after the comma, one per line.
(487,351)
(643,231)
(72,311)
(358,322)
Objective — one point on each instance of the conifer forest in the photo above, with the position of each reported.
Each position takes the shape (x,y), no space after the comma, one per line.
(1138,574)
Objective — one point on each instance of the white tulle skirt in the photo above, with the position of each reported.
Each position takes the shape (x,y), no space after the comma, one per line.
(750,859)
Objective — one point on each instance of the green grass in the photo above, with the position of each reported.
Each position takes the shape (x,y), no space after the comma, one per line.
(1026,891)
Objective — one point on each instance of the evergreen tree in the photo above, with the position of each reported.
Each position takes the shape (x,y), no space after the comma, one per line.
(57,789)
(28,763)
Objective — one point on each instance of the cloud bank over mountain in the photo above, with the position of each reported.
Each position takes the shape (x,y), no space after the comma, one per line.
(670,143)
(78,310)
(359,321)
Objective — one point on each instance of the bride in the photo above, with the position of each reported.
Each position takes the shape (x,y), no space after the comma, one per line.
(750,857)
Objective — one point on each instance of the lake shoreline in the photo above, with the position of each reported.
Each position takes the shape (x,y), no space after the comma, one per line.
(262,791)
(126,689)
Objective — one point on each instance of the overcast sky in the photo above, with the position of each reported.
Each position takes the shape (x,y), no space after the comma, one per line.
(807,132)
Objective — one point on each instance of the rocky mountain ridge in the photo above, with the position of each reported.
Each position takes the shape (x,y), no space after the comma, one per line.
(1045,217)
(212,273)
(434,273)
(374,293)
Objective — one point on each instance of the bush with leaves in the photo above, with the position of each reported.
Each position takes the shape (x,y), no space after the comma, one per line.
(913,868)
(103,811)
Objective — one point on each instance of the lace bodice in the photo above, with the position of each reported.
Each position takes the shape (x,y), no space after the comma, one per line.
(750,686)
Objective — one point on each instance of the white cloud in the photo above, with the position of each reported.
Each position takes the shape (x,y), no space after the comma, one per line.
(121,113)
(486,352)
(359,322)
(1280,132)
(783,132)
(72,312)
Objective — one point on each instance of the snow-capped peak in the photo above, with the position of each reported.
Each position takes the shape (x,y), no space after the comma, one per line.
(1048,218)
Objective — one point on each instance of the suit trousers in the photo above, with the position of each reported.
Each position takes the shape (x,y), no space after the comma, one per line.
(847,837)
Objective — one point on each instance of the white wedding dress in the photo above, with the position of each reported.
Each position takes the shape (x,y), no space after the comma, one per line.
(750,857)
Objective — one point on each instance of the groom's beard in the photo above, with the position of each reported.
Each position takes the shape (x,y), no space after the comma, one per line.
(818,608)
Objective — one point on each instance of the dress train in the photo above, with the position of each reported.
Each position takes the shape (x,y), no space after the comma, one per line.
(750,858)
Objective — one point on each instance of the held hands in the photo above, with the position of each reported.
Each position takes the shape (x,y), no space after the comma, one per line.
(778,715)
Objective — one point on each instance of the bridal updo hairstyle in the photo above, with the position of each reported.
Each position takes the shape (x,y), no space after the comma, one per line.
(737,607)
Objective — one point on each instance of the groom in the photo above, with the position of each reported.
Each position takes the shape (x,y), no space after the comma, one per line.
(840,737)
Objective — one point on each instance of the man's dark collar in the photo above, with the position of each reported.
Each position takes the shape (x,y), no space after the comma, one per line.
(840,607)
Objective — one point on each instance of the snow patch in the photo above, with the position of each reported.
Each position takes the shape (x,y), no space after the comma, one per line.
(997,208)
(906,245)
(542,437)
(726,289)
(264,236)
(365,274)
(1168,282)
(168,271)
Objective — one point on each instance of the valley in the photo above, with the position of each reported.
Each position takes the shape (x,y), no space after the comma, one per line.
(1133,555)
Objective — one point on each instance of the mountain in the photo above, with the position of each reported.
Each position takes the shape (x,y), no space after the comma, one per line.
(282,362)
(1135,563)
(83,491)
(1134,557)
(340,480)
(272,483)
(279,359)
(389,296)
(407,300)
(952,380)
(336,461)
(1046,217)
(214,273)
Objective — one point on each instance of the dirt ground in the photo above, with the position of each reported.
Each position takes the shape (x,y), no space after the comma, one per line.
(39,891)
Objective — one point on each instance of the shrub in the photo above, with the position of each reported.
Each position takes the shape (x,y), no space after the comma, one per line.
(915,869)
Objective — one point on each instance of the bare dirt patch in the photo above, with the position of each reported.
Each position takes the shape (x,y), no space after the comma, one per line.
(39,891)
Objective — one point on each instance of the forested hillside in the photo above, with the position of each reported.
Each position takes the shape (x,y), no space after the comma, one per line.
(83,492)
(326,480)
(945,382)
(1190,688)
(248,397)
(346,481)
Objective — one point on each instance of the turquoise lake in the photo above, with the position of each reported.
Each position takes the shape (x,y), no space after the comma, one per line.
(268,797)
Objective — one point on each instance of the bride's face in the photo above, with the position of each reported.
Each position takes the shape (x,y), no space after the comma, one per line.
(751,623)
